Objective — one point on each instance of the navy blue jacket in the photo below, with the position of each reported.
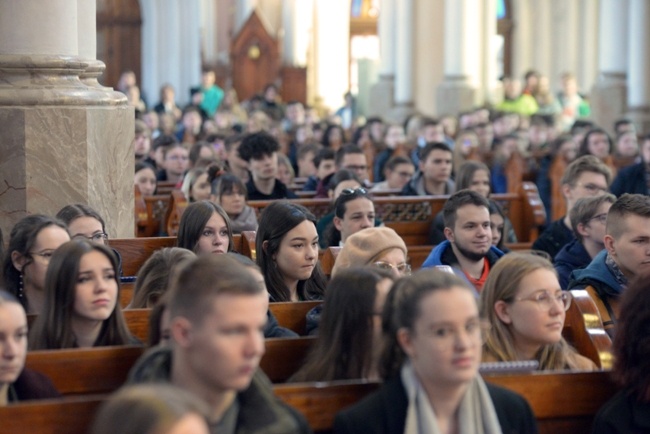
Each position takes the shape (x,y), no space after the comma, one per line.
(631,179)
(573,256)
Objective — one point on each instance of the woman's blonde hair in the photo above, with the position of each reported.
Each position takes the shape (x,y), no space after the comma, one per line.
(502,284)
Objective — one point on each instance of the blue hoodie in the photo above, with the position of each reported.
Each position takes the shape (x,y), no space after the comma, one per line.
(444,250)
(596,274)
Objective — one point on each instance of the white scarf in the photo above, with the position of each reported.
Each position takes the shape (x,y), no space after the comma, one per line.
(476,414)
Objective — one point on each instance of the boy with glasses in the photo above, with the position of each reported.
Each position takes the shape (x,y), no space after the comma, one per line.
(588,218)
(587,176)
(627,257)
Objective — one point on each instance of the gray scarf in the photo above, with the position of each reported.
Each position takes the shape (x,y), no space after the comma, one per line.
(476,414)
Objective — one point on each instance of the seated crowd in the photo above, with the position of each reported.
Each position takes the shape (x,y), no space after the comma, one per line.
(423,333)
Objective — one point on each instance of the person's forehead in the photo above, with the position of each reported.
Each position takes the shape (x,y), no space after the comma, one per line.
(438,154)
(588,176)
(635,226)
(353,157)
(472,212)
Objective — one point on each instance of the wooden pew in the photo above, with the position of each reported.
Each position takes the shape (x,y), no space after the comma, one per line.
(136,251)
(562,403)
(411,216)
(285,356)
(290,315)
(583,328)
(156,209)
(85,370)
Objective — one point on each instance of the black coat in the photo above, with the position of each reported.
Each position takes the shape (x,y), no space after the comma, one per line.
(384,412)
(622,415)
(631,179)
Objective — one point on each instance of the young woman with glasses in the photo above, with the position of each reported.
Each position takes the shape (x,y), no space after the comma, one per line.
(378,247)
(32,242)
(432,351)
(83,222)
(526,308)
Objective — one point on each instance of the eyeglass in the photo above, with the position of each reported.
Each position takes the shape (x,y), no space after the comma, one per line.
(98,237)
(45,255)
(353,168)
(544,300)
(600,217)
(445,335)
(405,174)
(349,191)
(593,188)
(402,268)
(177,158)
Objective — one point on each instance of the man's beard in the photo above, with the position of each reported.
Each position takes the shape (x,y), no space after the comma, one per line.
(472,256)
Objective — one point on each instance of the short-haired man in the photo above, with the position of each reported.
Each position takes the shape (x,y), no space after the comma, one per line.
(260,150)
(434,172)
(586,176)
(627,257)
(351,157)
(588,217)
(325,166)
(468,249)
(398,171)
(431,131)
(217,318)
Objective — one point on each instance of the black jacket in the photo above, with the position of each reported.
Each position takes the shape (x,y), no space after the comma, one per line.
(631,179)
(384,412)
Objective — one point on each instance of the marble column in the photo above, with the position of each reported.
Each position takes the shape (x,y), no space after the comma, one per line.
(297,23)
(609,94)
(638,65)
(62,140)
(459,89)
(382,94)
(332,52)
(403,61)
(171,44)
(209,31)
(490,85)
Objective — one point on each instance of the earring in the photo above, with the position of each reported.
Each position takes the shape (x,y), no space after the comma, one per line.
(21,291)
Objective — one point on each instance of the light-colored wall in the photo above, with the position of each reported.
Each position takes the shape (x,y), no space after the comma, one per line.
(428,53)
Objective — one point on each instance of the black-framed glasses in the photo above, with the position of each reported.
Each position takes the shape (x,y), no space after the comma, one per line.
(600,217)
(351,191)
(98,237)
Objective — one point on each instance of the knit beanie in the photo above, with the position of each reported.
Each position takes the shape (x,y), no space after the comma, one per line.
(359,249)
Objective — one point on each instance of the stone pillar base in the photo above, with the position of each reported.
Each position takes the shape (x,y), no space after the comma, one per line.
(62,142)
(400,112)
(641,118)
(382,96)
(608,100)
(456,94)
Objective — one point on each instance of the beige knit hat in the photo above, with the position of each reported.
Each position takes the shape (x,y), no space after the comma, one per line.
(361,247)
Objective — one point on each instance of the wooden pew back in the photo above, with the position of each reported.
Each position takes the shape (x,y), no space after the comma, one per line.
(562,403)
